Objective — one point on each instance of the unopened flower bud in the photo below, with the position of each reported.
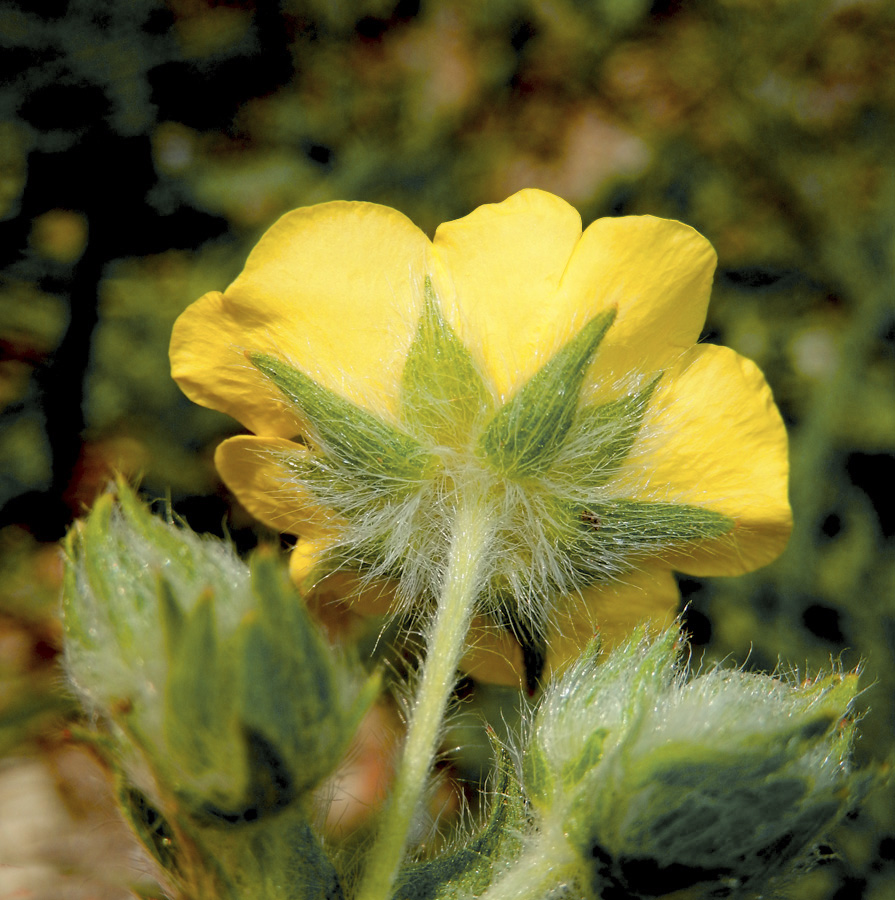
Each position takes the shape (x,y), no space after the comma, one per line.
(663,782)
(223,704)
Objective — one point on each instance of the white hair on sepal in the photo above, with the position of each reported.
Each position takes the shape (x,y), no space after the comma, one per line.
(275,397)
(414,290)
(547,340)
(545,542)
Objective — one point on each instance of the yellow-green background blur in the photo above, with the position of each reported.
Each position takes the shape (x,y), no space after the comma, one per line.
(145,146)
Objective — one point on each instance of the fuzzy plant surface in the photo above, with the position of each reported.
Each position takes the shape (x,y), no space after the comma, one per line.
(650,779)
(220,705)
(505,436)
(547,376)
(222,709)
(506,439)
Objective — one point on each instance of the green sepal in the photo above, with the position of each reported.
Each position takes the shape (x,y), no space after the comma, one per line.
(726,776)
(181,645)
(306,867)
(467,871)
(687,781)
(602,539)
(100,555)
(591,753)
(155,532)
(646,526)
(601,439)
(115,633)
(278,859)
(351,436)
(527,433)
(173,618)
(442,391)
(202,740)
(539,776)
(268,790)
(256,721)
(194,687)
(78,601)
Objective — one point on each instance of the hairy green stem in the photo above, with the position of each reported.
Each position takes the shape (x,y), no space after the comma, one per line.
(445,645)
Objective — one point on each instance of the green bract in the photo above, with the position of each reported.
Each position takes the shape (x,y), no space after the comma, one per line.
(442,389)
(467,869)
(661,783)
(528,433)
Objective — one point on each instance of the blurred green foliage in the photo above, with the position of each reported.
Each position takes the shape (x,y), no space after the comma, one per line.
(145,146)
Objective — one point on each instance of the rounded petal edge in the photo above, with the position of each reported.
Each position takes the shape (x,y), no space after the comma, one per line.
(364,596)
(336,291)
(257,471)
(713,437)
(503,264)
(209,364)
(657,274)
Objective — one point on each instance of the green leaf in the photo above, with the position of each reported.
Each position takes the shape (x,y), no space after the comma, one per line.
(351,436)
(468,871)
(442,390)
(293,688)
(527,433)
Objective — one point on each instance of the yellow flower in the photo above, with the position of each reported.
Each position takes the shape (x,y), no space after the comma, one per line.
(554,372)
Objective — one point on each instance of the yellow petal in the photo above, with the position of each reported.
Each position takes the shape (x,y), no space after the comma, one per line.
(306,556)
(713,437)
(494,655)
(365,596)
(210,365)
(609,610)
(334,290)
(504,263)
(612,611)
(256,471)
(525,280)
(342,601)
(658,274)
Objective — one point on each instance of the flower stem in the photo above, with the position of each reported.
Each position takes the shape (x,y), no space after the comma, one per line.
(445,645)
